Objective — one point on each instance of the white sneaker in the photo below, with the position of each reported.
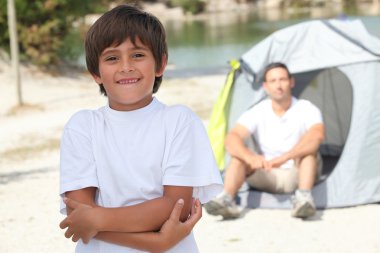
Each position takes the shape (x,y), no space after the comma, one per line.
(303,205)
(223,205)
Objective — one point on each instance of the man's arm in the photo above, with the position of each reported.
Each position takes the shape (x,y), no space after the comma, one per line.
(307,145)
(236,147)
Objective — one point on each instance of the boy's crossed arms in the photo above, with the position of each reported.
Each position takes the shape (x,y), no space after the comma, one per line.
(153,225)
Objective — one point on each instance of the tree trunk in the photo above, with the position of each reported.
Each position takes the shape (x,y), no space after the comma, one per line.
(14,48)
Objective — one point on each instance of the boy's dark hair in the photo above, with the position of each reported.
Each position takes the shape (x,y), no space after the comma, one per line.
(273,66)
(119,24)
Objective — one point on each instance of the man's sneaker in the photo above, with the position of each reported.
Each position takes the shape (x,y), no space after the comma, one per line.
(223,205)
(303,205)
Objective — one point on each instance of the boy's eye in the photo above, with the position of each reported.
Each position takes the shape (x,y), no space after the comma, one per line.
(137,55)
(111,58)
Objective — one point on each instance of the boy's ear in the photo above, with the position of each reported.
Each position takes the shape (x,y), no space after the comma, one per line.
(96,78)
(160,72)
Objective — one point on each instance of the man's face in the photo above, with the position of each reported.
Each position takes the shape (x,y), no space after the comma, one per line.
(278,84)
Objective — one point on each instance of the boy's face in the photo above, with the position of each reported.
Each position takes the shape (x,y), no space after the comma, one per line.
(127,73)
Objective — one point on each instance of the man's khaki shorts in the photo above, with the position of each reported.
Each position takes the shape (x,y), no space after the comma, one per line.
(279,180)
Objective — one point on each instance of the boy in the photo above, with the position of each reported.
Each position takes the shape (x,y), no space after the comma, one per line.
(125,165)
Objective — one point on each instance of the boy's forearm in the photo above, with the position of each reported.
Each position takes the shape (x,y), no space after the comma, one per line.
(146,241)
(171,233)
(145,217)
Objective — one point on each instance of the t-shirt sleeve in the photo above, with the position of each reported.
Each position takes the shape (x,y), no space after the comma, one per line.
(189,161)
(312,115)
(77,164)
(249,119)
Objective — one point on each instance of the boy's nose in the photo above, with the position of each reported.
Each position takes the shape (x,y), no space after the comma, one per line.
(127,66)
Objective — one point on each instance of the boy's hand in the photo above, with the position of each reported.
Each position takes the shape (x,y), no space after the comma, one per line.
(80,222)
(173,229)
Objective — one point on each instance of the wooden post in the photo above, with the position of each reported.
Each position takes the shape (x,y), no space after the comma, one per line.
(14,48)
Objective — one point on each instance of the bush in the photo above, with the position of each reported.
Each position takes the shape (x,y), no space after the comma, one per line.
(43,25)
(192,6)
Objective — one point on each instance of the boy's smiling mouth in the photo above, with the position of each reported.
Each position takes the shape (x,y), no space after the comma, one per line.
(128,81)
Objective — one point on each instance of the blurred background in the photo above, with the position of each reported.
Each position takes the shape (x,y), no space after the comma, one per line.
(202,34)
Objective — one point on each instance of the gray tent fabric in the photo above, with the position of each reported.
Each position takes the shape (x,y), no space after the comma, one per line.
(336,64)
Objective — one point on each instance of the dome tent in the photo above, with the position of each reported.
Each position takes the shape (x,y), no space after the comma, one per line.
(336,65)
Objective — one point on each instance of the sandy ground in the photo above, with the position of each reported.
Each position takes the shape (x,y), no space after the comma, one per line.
(29,157)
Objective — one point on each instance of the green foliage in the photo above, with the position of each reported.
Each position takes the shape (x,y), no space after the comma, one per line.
(43,26)
(192,6)
(72,45)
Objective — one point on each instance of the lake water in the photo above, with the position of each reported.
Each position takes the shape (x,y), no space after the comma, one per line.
(197,47)
(206,45)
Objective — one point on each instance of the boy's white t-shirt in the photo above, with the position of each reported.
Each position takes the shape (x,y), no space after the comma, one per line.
(130,156)
(277,135)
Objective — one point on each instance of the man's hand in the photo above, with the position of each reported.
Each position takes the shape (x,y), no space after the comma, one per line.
(256,162)
(276,162)
(80,223)
(173,229)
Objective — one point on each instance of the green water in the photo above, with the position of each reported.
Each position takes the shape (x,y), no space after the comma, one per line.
(206,45)
(196,44)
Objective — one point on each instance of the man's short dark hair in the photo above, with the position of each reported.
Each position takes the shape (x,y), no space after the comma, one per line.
(119,24)
(273,66)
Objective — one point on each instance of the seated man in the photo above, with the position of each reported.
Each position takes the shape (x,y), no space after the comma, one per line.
(288,133)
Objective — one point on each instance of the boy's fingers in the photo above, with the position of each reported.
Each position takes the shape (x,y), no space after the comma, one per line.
(176,212)
(71,203)
(196,215)
(63,224)
(192,207)
(198,209)
(75,238)
(68,233)
(86,240)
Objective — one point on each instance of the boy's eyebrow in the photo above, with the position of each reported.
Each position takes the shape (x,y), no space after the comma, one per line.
(113,49)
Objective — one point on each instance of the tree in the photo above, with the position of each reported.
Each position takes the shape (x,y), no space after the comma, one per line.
(14,48)
(43,25)
(192,6)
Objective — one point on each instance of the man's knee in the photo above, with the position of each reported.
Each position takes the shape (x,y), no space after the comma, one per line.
(308,160)
(238,164)
(311,165)
(288,186)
